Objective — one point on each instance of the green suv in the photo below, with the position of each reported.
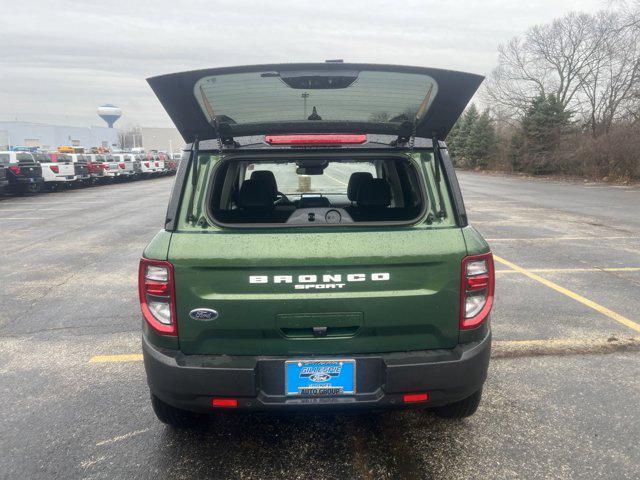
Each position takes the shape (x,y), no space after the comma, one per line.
(316,253)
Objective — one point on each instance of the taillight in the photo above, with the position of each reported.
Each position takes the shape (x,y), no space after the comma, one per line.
(315,139)
(146,164)
(476,290)
(121,165)
(157,295)
(15,170)
(54,168)
(157,164)
(105,166)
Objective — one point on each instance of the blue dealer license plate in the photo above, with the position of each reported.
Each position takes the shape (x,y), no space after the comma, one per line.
(317,378)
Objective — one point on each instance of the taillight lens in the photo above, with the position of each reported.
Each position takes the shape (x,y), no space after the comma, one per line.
(54,168)
(157,295)
(157,164)
(121,165)
(15,170)
(476,290)
(146,164)
(105,166)
(315,139)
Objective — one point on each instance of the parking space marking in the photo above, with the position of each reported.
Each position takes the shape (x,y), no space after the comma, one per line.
(578,298)
(553,239)
(573,270)
(121,437)
(131,357)
(499,349)
(335,179)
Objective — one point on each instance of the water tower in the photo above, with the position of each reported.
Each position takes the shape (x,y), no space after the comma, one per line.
(109,113)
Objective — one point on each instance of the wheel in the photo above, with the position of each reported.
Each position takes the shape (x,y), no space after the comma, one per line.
(462,408)
(175,417)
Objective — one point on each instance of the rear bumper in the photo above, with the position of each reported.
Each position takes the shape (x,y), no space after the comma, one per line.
(25,180)
(190,381)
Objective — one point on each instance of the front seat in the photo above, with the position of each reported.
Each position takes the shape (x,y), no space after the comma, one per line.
(267,178)
(255,200)
(355,181)
(255,195)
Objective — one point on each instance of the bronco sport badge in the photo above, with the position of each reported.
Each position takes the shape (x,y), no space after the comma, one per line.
(319,282)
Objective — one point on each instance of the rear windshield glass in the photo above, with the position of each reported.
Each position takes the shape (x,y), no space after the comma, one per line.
(314,192)
(346,96)
(24,157)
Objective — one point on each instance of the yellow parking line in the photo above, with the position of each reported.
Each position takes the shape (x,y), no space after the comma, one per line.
(335,179)
(570,270)
(131,357)
(578,298)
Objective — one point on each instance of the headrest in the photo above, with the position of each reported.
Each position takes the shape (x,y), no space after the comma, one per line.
(375,192)
(355,180)
(267,178)
(254,194)
(313,202)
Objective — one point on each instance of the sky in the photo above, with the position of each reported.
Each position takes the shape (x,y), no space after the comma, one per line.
(61,59)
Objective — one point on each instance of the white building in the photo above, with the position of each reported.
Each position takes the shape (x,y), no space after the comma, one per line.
(50,137)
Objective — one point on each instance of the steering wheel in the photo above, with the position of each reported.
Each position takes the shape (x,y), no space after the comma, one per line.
(282,199)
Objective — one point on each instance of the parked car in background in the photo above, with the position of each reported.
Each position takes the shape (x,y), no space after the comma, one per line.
(57,170)
(95,167)
(4,182)
(158,164)
(24,174)
(137,166)
(111,168)
(147,168)
(80,167)
(125,164)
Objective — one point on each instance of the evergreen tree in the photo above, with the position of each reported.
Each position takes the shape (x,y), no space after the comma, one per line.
(467,121)
(544,123)
(481,142)
(540,133)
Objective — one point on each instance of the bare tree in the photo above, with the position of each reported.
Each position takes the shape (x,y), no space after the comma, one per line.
(590,63)
(549,59)
(610,82)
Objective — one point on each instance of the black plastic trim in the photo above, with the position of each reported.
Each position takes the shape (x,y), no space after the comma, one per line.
(173,208)
(190,381)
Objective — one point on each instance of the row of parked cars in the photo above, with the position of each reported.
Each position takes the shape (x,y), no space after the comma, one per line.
(31,172)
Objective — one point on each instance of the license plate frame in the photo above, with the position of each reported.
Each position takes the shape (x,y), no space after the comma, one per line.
(298,380)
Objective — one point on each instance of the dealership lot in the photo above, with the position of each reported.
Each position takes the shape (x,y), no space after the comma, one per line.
(560,401)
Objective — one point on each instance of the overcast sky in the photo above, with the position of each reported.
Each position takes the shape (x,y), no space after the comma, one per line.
(58,64)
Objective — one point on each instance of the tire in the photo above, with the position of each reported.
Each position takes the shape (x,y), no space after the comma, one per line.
(175,417)
(460,409)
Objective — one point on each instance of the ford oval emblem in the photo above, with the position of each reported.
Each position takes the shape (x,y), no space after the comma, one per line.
(203,314)
(319,377)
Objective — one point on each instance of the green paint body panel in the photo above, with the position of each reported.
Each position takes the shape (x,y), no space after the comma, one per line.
(416,309)
(158,247)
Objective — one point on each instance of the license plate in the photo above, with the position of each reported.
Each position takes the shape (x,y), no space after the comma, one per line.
(31,180)
(318,378)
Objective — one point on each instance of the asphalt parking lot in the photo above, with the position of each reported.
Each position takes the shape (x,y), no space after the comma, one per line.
(561,400)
